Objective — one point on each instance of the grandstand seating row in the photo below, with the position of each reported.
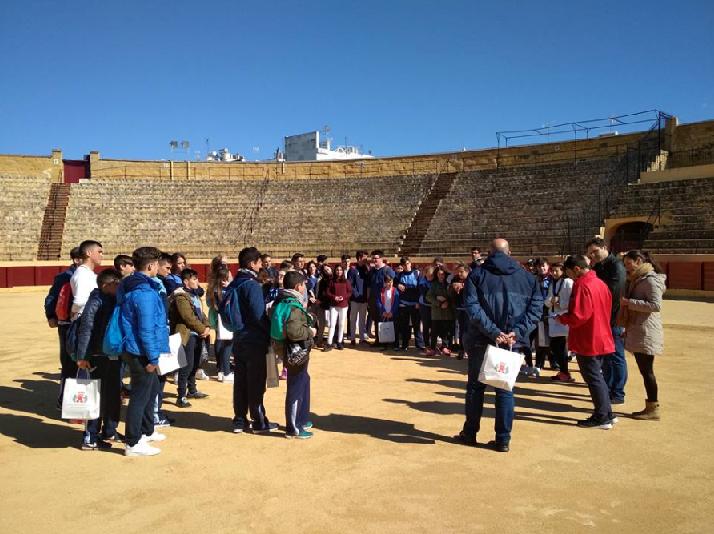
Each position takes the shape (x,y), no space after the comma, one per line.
(22,207)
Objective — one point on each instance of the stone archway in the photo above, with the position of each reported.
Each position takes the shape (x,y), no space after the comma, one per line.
(629,236)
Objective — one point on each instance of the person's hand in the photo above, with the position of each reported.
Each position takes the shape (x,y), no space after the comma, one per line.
(83,364)
(312,300)
(556,301)
(444,305)
(511,338)
(339,299)
(150,368)
(624,302)
(401,287)
(313,331)
(52,322)
(416,306)
(206,332)
(501,339)
(441,299)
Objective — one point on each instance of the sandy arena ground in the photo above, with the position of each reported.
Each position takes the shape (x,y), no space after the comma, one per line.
(382,459)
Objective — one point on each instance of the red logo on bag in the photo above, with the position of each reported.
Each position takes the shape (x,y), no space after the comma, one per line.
(502,367)
(80,397)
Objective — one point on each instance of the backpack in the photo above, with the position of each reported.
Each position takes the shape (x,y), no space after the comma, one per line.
(63,308)
(113,342)
(229,303)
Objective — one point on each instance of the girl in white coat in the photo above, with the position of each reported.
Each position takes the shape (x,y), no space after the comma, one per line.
(557,304)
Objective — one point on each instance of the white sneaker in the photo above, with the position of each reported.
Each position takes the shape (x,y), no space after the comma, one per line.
(535,371)
(220,376)
(201,375)
(156,436)
(228,378)
(141,449)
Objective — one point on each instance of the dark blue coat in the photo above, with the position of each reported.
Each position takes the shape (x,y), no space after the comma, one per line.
(357,277)
(93,323)
(501,296)
(376,280)
(143,317)
(51,298)
(252,326)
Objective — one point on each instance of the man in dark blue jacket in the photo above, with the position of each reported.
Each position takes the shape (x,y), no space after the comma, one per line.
(407,282)
(357,277)
(376,283)
(251,338)
(146,335)
(69,367)
(90,335)
(503,303)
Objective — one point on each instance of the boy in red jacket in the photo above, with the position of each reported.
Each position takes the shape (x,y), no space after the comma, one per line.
(590,335)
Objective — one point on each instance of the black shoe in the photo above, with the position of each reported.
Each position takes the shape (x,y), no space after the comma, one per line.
(498,446)
(460,356)
(96,445)
(183,403)
(240,429)
(340,346)
(464,439)
(197,395)
(616,401)
(591,422)
(116,438)
(327,348)
(271,427)
(353,342)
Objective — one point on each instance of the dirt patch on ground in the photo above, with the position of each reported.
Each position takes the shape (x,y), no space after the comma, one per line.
(382,459)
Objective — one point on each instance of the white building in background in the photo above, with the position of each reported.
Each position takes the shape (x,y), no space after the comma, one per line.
(308,147)
(224,155)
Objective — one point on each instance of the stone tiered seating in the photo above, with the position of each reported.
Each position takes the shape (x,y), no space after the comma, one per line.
(22,206)
(682,213)
(204,218)
(542,210)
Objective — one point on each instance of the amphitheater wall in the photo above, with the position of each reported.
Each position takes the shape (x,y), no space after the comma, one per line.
(49,166)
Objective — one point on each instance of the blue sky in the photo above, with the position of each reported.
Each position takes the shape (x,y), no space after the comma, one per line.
(397,77)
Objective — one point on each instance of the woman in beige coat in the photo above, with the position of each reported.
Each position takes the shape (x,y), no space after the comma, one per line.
(640,315)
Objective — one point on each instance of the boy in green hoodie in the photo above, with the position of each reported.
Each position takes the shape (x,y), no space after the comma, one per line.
(291,325)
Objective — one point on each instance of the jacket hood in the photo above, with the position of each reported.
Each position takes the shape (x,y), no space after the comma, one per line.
(137,281)
(501,264)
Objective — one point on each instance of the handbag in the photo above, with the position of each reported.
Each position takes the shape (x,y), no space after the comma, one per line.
(176,359)
(271,362)
(500,368)
(81,397)
(386,332)
(297,353)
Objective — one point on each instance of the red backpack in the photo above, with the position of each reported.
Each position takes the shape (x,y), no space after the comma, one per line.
(63,308)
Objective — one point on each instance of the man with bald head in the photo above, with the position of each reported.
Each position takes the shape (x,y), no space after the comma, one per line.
(503,303)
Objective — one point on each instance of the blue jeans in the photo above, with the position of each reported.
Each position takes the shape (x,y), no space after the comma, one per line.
(297,399)
(474,399)
(410,320)
(614,367)
(223,349)
(144,388)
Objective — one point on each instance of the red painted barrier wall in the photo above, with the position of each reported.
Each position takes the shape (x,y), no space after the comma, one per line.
(685,275)
(680,275)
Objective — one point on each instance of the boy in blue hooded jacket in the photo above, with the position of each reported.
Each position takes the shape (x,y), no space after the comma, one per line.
(146,335)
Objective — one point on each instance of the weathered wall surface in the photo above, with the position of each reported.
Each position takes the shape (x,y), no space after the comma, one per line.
(49,166)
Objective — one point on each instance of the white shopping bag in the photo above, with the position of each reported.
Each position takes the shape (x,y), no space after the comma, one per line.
(386,332)
(169,362)
(500,368)
(81,398)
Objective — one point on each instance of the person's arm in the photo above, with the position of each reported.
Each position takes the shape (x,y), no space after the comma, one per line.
(652,301)
(188,315)
(431,295)
(476,312)
(255,309)
(581,308)
(147,307)
(86,325)
(297,327)
(529,320)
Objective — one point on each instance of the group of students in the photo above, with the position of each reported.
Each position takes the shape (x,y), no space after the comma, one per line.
(298,306)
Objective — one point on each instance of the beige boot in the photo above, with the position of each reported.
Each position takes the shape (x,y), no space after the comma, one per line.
(651,412)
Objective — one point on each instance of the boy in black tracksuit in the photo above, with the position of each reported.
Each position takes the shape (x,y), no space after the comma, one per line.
(90,336)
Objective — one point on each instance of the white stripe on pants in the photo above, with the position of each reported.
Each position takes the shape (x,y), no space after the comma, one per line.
(338,317)
(358,312)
